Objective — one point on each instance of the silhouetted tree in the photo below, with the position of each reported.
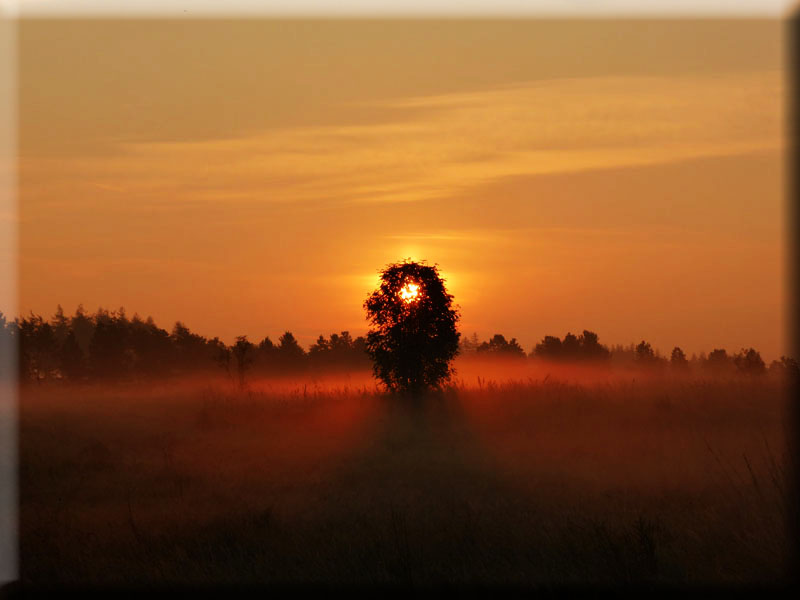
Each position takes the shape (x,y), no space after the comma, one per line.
(72,361)
(469,345)
(151,346)
(289,353)
(243,353)
(339,350)
(584,347)
(222,354)
(109,351)
(570,347)
(83,327)
(749,362)
(786,367)
(24,369)
(37,351)
(45,348)
(549,348)
(498,346)
(319,348)
(678,359)
(718,361)
(26,334)
(266,355)
(192,350)
(7,348)
(645,354)
(591,348)
(60,325)
(413,338)
(360,350)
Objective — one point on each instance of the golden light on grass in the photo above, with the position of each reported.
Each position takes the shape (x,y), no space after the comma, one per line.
(409,292)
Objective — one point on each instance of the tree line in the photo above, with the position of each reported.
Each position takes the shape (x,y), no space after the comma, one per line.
(587,347)
(110,345)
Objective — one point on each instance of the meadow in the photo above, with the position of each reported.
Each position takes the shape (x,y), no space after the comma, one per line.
(511,476)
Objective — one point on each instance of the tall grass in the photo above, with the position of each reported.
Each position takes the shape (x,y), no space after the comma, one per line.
(538,481)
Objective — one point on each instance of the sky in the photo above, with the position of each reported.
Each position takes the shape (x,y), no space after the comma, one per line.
(253,176)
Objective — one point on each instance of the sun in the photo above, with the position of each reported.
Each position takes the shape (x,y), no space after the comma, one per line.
(409,292)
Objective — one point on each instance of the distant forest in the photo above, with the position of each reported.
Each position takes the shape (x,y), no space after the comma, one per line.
(109,345)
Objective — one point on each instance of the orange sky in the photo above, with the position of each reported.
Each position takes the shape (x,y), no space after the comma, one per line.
(249,177)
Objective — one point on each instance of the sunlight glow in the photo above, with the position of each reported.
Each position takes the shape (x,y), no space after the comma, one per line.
(409,293)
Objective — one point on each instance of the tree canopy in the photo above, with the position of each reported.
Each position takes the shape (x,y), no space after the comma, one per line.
(413,337)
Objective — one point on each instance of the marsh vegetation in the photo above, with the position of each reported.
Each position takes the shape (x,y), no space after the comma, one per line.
(522,476)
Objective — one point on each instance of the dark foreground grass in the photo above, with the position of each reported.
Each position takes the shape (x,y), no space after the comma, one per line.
(519,484)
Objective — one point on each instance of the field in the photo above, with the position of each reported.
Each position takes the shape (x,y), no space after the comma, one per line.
(512,476)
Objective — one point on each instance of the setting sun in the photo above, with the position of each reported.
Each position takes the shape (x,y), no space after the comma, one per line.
(409,292)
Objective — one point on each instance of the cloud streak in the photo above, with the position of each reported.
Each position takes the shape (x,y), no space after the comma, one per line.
(447,143)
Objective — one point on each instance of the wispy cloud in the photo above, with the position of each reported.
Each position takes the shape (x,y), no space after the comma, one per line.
(449,143)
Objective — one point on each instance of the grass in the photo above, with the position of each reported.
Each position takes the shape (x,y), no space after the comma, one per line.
(546,481)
